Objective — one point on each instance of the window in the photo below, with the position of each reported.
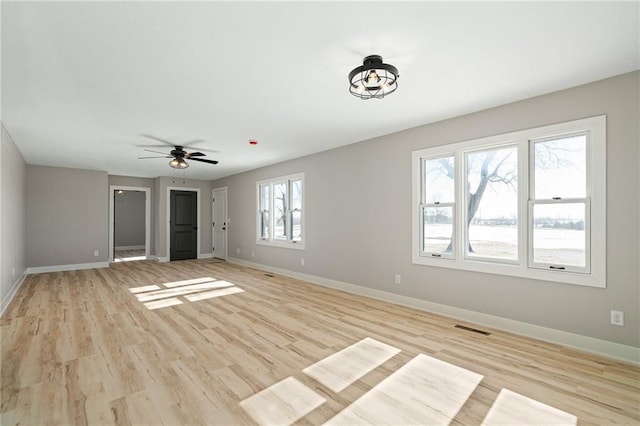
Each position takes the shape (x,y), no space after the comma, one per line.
(280,219)
(438,206)
(529,204)
(559,206)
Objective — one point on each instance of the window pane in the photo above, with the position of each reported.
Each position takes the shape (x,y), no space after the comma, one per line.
(296,195)
(492,203)
(438,180)
(296,225)
(559,234)
(280,210)
(560,168)
(438,229)
(264,225)
(264,197)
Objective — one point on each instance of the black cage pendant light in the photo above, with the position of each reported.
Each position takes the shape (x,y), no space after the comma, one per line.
(374,79)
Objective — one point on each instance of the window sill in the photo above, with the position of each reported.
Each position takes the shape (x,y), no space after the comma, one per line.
(590,280)
(282,244)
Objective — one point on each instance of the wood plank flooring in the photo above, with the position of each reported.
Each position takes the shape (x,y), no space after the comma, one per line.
(137,343)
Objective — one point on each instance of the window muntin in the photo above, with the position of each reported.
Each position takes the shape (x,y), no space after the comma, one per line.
(491,208)
(573,197)
(283,223)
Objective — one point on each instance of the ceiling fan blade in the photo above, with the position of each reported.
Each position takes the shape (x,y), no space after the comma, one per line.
(195,141)
(194,154)
(187,147)
(162,156)
(150,146)
(158,139)
(157,152)
(204,161)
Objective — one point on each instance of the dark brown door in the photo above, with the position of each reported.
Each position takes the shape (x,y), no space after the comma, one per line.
(184,225)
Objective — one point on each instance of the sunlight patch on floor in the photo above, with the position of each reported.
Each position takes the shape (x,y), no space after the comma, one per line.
(282,403)
(144,288)
(129,259)
(157,304)
(511,408)
(213,293)
(425,391)
(341,369)
(189,282)
(178,292)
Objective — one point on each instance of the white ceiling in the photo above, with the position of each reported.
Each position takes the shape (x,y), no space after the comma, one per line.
(82,82)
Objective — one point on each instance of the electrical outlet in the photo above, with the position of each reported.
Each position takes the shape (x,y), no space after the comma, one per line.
(398,279)
(13,271)
(238,250)
(302,262)
(617,318)
(251,254)
(96,253)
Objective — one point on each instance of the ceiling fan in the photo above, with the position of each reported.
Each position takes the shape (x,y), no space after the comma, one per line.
(178,155)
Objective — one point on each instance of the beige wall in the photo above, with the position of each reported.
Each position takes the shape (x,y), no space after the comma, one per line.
(13,229)
(358,217)
(67,216)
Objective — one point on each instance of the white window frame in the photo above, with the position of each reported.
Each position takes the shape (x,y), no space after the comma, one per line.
(594,275)
(271,240)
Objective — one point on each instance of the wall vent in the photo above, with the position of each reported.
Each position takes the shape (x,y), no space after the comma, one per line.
(475,330)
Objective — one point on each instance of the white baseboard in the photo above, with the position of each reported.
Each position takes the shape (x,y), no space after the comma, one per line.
(162,259)
(12,292)
(588,344)
(60,268)
(142,247)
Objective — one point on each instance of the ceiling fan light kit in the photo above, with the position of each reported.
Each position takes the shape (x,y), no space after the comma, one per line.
(178,163)
(373,79)
(179,156)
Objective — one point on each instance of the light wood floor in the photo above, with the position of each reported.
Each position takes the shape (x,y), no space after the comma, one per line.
(96,347)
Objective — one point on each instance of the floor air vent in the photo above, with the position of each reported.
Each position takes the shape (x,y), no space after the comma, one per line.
(268,275)
(475,330)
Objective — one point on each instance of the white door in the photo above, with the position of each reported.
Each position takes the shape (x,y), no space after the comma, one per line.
(220,223)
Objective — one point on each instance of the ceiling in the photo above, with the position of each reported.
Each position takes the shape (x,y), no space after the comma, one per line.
(84,82)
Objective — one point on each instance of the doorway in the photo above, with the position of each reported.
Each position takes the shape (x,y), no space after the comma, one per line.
(183,223)
(129,223)
(219,222)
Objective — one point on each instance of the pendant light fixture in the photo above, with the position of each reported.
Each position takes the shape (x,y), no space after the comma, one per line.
(374,79)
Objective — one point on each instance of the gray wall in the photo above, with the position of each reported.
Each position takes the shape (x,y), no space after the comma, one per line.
(67,216)
(160,186)
(358,216)
(129,218)
(13,228)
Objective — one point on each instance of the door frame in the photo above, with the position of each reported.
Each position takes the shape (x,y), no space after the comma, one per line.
(226,220)
(168,217)
(147,217)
